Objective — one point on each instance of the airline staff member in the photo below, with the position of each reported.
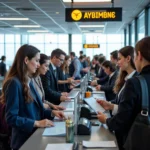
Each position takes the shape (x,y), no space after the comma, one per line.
(24,107)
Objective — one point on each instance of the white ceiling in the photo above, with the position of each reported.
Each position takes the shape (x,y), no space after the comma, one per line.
(44,14)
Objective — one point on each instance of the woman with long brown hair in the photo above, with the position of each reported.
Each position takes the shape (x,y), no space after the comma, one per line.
(43,68)
(24,108)
(127,71)
(64,79)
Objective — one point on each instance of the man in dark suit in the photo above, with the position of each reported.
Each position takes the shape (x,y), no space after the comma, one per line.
(50,79)
(130,106)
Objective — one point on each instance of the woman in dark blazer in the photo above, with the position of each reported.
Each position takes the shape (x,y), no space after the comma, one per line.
(110,70)
(64,80)
(24,107)
(130,106)
(36,80)
(127,71)
(102,78)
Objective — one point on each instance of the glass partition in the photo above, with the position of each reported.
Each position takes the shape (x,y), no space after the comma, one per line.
(141,26)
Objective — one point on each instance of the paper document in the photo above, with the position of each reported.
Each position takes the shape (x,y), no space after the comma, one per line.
(76,84)
(94,105)
(99,96)
(58,130)
(62,146)
(73,94)
(98,92)
(68,105)
(97,144)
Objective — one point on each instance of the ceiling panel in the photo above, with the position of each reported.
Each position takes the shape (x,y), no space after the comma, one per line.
(50,15)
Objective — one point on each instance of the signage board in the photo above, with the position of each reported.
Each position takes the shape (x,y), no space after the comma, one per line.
(91,46)
(93,14)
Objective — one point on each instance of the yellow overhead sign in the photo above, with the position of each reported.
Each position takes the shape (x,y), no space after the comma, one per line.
(91,46)
(93,14)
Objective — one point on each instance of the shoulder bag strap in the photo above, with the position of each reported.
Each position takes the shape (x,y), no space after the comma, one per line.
(145,96)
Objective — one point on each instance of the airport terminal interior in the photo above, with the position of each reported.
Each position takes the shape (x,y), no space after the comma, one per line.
(69,72)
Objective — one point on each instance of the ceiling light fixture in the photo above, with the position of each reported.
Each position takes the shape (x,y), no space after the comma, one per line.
(37,31)
(86,1)
(27,26)
(91,26)
(14,18)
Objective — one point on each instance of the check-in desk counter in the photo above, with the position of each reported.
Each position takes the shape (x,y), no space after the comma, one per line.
(98,133)
(39,142)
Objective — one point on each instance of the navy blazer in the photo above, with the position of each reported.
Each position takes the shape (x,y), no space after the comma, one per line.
(117,100)
(21,115)
(96,69)
(108,87)
(62,76)
(103,77)
(129,107)
(50,86)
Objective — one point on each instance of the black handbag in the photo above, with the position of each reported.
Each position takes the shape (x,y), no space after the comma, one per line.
(139,134)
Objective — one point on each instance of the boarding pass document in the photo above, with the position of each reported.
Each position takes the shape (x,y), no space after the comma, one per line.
(99,97)
(68,105)
(97,144)
(94,105)
(58,129)
(73,94)
(57,146)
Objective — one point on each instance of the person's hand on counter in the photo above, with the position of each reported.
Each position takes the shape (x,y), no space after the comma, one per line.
(94,83)
(64,94)
(101,117)
(98,87)
(43,123)
(64,98)
(59,114)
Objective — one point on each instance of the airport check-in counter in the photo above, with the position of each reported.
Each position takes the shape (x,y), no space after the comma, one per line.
(98,133)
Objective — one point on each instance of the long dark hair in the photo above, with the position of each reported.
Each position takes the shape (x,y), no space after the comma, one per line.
(125,52)
(110,65)
(43,59)
(19,70)
(64,66)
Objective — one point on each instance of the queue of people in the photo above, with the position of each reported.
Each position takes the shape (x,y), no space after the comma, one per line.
(36,84)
